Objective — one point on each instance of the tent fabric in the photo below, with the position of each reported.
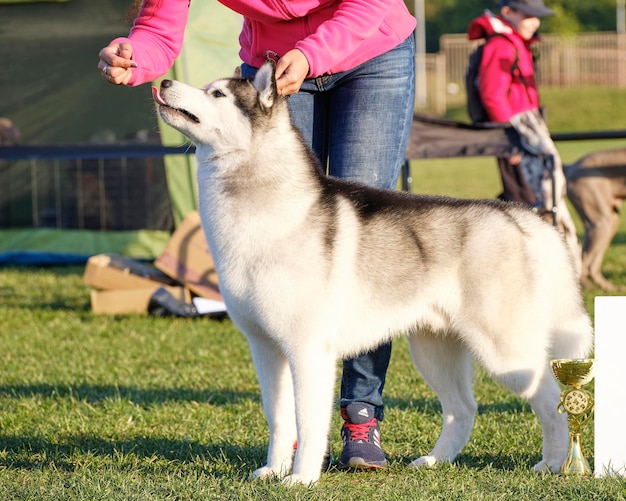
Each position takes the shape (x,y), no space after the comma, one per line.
(433,137)
(46,245)
(32,1)
(62,203)
(210,51)
(36,258)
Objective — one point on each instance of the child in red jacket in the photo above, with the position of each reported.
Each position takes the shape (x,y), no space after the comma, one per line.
(507,86)
(508,91)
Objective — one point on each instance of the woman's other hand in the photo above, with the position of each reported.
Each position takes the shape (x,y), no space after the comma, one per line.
(291,70)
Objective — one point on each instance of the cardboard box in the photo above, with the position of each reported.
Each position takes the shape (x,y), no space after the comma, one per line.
(124,301)
(188,260)
(109,271)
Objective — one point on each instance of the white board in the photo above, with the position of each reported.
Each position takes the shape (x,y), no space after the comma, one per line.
(610,386)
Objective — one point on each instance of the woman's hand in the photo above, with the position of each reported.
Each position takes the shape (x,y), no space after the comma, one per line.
(291,70)
(116,63)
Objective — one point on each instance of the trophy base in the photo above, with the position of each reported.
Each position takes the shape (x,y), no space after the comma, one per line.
(575,463)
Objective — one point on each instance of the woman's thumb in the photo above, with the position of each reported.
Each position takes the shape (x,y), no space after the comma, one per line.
(125,51)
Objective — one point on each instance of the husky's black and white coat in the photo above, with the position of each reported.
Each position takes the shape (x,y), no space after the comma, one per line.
(313,269)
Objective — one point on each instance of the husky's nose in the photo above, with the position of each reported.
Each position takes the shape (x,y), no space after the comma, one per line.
(166,83)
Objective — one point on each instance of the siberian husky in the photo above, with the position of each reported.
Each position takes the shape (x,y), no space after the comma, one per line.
(313,269)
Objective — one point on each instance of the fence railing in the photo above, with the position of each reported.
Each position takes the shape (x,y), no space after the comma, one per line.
(119,187)
(108,187)
(587,59)
(583,59)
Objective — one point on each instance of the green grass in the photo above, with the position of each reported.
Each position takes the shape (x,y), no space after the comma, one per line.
(134,407)
(569,108)
(137,408)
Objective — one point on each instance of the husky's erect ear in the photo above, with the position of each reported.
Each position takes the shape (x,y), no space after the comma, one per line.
(237,73)
(265,84)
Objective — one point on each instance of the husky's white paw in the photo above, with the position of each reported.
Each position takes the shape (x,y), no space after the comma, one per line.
(265,472)
(423,462)
(545,466)
(291,480)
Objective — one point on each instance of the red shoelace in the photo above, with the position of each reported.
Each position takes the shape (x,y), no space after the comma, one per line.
(358,431)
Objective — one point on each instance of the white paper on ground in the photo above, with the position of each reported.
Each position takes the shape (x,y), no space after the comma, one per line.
(204,305)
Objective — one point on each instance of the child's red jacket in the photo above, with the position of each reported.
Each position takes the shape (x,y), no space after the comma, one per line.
(504,92)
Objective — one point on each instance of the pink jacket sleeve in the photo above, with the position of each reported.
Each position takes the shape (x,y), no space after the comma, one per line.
(353,22)
(156,38)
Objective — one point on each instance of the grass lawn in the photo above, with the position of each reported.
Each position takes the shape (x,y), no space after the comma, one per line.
(134,407)
(138,408)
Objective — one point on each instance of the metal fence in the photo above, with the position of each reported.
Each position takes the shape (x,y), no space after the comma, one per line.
(109,187)
(124,187)
(112,187)
(587,59)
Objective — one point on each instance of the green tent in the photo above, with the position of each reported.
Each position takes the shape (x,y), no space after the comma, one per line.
(210,52)
(63,100)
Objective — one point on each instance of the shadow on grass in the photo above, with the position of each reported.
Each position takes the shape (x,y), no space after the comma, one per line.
(12,298)
(619,238)
(498,461)
(71,452)
(94,394)
(431,406)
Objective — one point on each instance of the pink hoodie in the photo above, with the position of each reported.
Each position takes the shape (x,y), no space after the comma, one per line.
(504,93)
(334,35)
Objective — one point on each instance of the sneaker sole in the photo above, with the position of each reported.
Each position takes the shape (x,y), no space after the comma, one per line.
(357,463)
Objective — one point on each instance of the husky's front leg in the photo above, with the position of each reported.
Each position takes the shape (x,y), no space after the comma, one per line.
(313,366)
(278,405)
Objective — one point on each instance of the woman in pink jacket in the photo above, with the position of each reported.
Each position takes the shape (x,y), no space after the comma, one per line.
(348,67)
(507,86)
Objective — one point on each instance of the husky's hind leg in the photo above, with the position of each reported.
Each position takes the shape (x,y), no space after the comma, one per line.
(538,386)
(525,371)
(554,427)
(446,366)
(278,405)
(574,339)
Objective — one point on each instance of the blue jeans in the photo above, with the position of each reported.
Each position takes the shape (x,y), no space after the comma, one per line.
(358,123)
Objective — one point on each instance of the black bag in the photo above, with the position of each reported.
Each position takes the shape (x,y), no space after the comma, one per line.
(475,108)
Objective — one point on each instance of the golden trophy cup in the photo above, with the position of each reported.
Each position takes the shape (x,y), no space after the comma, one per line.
(578,404)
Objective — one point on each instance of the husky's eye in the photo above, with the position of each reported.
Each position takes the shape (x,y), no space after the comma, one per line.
(217,93)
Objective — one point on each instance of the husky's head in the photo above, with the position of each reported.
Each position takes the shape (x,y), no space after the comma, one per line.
(220,116)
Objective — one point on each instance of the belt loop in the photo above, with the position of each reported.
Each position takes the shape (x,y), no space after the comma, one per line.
(319,82)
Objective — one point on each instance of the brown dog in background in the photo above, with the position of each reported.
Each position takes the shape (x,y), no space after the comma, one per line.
(596,186)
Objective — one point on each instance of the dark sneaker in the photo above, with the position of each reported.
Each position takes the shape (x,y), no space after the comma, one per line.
(361,439)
